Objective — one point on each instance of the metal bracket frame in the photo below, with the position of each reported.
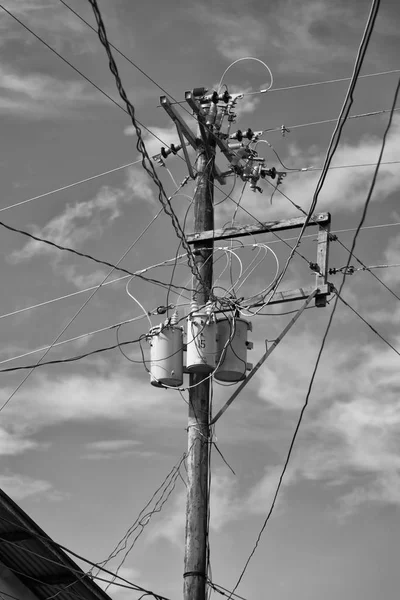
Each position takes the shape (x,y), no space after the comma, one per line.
(322,221)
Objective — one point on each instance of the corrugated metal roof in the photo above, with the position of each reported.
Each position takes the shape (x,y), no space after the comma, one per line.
(37,561)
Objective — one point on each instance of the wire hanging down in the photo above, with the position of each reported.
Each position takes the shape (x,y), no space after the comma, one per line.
(334,141)
(126,582)
(146,161)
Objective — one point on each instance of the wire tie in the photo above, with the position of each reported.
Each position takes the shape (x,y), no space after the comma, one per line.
(194,574)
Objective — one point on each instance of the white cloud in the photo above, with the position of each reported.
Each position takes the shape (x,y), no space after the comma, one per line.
(38,95)
(242,35)
(300,36)
(350,432)
(173,525)
(392,256)
(120,396)
(262,493)
(284,380)
(112,445)
(60,26)
(385,489)
(84,221)
(12,444)
(106,449)
(20,487)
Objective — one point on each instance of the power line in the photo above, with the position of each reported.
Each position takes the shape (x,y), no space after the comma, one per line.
(338,296)
(311,235)
(83,75)
(69,186)
(78,312)
(167,488)
(346,268)
(304,85)
(306,169)
(334,141)
(369,269)
(83,254)
(119,52)
(104,93)
(76,183)
(51,542)
(46,302)
(77,70)
(136,66)
(62,57)
(335,138)
(367,323)
(315,83)
(146,162)
(368,199)
(74,339)
(368,114)
(93,287)
(223,591)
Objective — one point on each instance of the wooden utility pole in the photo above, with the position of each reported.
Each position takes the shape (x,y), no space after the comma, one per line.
(196,542)
(211,108)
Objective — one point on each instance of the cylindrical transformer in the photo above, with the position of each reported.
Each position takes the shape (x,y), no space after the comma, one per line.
(232,348)
(166,356)
(201,343)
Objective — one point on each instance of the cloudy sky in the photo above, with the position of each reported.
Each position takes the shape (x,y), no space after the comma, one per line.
(85,445)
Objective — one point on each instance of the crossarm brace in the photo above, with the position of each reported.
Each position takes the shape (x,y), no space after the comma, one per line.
(263,358)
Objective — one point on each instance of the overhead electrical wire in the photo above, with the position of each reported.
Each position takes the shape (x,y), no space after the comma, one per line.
(69,186)
(46,302)
(312,84)
(337,239)
(40,39)
(76,183)
(73,339)
(146,512)
(338,296)
(51,542)
(369,269)
(147,164)
(368,114)
(118,50)
(77,70)
(77,313)
(134,64)
(248,58)
(311,235)
(389,162)
(222,590)
(367,323)
(315,83)
(72,294)
(114,325)
(52,49)
(8,595)
(364,267)
(334,141)
(83,254)
(136,123)
(349,117)
(167,490)
(335,138)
